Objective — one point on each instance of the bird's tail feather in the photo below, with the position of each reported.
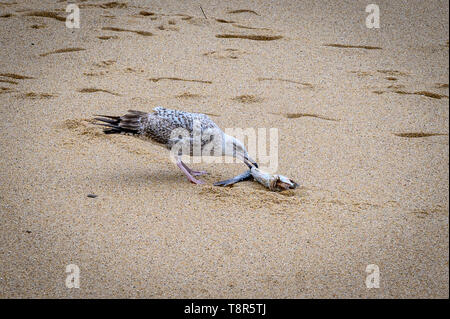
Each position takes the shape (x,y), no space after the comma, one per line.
(130,123)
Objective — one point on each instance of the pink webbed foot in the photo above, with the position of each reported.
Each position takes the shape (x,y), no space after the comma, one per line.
(195,181)
(189,173)
(198,173)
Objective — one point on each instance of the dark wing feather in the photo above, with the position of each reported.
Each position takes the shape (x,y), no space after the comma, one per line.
(130,123)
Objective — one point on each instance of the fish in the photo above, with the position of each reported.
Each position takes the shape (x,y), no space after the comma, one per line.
(247,175)
(274,182)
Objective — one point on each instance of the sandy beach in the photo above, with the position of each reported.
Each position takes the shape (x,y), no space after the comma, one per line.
(362,118)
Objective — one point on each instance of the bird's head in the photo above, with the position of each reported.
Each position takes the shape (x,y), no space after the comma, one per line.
(235,148)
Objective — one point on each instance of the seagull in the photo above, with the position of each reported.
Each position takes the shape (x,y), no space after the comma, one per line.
(183,130)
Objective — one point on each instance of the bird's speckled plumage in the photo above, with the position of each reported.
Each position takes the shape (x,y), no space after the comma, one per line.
(159,125)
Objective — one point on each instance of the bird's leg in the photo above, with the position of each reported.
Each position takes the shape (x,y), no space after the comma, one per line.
(188,174)
(192,172)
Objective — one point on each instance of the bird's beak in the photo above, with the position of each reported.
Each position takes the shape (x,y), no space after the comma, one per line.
(250,162)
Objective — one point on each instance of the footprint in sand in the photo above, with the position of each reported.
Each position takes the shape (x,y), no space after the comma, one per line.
(36,96)
(66,50)
(95,73)
(85,128)
(393,72)
(16,76)
(417,134)
(46,14)
(402,92)
(4,90)
(253,37)
(300,115)
(106,5)
(396,86)
(347,46)
(38,26)
(169,27)
(423,93)
(95,90)
(393,75)
(82,127)
(113,5)
(240,26)
(105,64)
(9,78)
(178,79)
(225,54)
(304,84)
(242,11)
(430,94)
(211,114)
(224,21)
(115,29)
(195,21)
(8,81)
(131,70)
(362,73)
(187,95)
(247,99)
(146,13)
(423,213)
(107,37)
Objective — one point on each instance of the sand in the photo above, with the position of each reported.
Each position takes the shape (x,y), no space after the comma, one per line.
(363,122)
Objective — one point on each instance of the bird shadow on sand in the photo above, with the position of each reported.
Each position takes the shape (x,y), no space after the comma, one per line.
(140,178)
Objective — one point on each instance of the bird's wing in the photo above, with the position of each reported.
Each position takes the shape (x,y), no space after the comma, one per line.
(161,126)
(185,119)
(139,124)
